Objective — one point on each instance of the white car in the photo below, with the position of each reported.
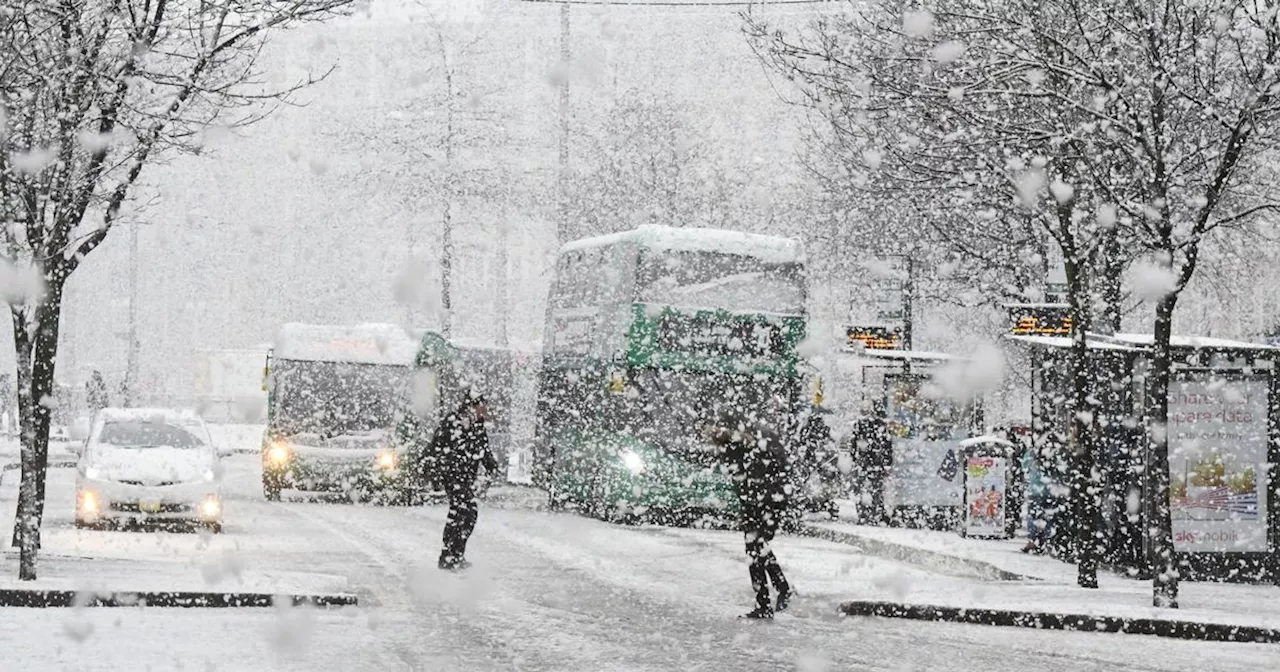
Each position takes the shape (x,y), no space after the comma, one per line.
(148,465)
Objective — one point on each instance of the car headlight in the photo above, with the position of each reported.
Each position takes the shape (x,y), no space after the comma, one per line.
(633,462)
(210,507)
(386,459)
(278,454)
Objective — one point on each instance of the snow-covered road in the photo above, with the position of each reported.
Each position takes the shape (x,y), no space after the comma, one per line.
(547,592)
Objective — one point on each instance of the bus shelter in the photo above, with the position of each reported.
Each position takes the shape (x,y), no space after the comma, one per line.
(905,438)
(1223,441)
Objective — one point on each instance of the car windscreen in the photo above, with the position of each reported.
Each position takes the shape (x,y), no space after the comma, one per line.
(333,399)
(719,280)
(148,434)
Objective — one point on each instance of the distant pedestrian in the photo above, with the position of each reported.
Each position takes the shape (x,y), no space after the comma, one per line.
(459,447)
(872,457)
(1039,505)
(96,392)
(757,461)
(818,453)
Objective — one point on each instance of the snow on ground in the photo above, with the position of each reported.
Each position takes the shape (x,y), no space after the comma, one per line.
(146,560)
(166,640)
(1055,589)
(549,591)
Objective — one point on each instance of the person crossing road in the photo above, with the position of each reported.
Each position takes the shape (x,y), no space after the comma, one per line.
(459,447)
(757,461)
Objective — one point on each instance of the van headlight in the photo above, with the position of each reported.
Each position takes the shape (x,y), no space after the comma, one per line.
(633,462)
(211,507)
(89,503)
(278,454)
(387,460)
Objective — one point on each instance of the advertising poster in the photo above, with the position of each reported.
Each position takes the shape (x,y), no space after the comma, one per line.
(985,496)
(1218,464)
(925,434)
(925,473)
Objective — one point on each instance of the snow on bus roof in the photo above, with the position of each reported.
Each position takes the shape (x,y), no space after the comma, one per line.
(773,249)
(386,344)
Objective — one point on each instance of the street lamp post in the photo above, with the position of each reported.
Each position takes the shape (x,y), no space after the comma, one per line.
(131,367)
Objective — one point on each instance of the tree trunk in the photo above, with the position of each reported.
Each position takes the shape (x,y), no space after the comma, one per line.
(1109,272)
(446,234)
(1159,527)
(446,268)
(36,347)
(1083,503)
(1112,408)
(504,277)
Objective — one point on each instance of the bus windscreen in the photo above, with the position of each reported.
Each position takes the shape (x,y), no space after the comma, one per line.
(719,280)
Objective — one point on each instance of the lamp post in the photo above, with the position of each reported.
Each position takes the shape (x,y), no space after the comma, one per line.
(131,366)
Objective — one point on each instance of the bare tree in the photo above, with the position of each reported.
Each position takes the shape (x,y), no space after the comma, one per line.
(91,93)
(916,134)
(1119,126)
(1198,128)
(650,163)
(438,141)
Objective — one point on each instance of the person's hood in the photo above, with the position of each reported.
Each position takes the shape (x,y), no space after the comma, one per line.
(149,466)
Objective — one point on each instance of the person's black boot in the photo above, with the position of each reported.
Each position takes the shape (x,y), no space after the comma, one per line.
(784,599)
(759,613)
(447,562)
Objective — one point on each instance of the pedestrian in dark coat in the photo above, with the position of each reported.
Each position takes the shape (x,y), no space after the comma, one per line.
(96,392)
(459,447)
(755,458)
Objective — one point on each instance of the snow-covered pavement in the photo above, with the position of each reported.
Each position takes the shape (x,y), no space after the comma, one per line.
(547,592)
(1053,587)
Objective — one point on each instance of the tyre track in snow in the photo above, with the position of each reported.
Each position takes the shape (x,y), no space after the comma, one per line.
(371,597)
(558,592)
(851,644)
(458,619)
(419,640)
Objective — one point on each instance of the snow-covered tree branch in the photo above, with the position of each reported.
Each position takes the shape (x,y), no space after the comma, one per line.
(92,93)
(1125,129)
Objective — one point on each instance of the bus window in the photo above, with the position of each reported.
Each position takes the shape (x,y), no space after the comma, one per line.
(719,280)
(591,277)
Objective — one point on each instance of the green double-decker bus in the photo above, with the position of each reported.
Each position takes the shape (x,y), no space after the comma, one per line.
(649,331)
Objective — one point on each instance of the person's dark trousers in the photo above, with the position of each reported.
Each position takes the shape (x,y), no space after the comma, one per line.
(876,514)
(463,513)
(764,568)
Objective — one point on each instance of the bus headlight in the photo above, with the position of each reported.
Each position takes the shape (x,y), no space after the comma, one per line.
(633,462)
(387,460)
(278,455)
